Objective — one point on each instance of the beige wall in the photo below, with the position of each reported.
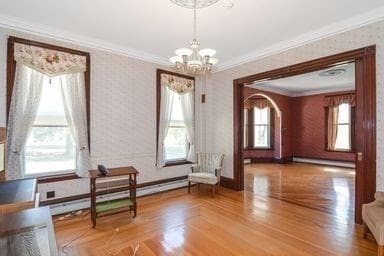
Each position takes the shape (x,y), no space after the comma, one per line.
(123,114)
(220,91)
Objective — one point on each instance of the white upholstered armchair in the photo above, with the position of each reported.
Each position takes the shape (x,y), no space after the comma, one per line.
(207,170)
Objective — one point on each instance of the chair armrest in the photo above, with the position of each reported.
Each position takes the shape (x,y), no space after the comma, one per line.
(195,168)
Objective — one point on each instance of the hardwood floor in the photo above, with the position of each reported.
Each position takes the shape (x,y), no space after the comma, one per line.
(324,188)
(231,223)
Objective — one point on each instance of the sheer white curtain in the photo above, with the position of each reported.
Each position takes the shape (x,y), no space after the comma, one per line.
(75,107)
(24,105)
(187,106)
(166,103)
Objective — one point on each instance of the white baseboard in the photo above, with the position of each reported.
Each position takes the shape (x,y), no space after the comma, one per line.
(324,162)
(85,203)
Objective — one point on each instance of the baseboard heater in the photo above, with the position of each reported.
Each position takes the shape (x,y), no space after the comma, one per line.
(324,162)
(85,203)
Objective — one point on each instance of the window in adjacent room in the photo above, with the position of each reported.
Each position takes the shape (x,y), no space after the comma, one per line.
(261,128)
(246,132)
(176,143)
(343,137)
(50,148)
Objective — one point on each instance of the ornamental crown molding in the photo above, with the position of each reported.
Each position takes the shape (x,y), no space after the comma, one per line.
(21,25)
(65,36)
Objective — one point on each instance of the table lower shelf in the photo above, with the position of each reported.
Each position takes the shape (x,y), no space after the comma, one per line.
(113,205)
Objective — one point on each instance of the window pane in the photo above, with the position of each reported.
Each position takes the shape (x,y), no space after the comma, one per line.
(177,114)
(261,136)
(51,108)
(49,149)
(344,114)
(245,137)
(261,116)
(343,137)
(176,144)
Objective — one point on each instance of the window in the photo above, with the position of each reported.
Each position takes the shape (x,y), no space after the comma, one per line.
(50,148)
(176,143)
(261,128)
(246,132)
(343,137)
(258,128)
(175,119)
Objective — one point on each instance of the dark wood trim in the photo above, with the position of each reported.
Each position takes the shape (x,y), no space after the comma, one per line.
(365,121)
(11,69)
(228,183)
(111,191)
(57,178)
(158,98)
(283,160)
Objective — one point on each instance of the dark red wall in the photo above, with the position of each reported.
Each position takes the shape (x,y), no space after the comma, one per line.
(310,136)
(304,128)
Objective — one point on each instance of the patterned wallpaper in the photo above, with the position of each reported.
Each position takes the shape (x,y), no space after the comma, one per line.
(123,114)
(220,116)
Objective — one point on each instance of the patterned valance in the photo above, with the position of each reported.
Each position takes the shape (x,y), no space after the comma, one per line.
(336,100)
(257,103)
(49,62)
(177,84)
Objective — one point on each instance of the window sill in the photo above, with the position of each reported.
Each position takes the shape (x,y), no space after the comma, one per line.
(174,163)
(340,151)
(269,149)
(56,178)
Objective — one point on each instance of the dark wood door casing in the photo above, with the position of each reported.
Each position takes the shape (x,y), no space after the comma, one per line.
(365,119)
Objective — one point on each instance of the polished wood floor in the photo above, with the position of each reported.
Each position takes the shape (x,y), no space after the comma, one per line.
(231,223)
(324,188)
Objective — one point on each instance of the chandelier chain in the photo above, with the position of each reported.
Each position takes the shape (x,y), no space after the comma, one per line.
(194,20)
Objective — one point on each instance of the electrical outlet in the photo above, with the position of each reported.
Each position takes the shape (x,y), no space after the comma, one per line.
(50,194)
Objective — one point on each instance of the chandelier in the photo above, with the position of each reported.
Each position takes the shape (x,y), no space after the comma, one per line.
(192,60)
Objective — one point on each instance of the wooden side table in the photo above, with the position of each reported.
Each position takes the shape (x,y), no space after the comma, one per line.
(17,195)
(117,180)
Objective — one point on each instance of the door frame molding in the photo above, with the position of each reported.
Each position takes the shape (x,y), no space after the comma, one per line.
(365,122)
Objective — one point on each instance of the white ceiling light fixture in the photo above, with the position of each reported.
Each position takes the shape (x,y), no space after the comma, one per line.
(192,60)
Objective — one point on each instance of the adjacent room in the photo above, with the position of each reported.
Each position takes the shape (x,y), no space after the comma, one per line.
(191,127)
(314,166)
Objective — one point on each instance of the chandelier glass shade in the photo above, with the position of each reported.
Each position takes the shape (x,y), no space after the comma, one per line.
(192,60)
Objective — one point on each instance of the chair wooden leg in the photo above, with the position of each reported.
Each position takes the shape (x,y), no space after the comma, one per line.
(365,230)
(218,186)
(380,250)
(213,190)
(189,187)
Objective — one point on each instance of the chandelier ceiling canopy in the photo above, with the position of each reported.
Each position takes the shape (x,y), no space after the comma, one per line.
(192,60)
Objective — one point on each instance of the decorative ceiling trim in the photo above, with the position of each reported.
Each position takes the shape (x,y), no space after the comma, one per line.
(17,24)
(303,39)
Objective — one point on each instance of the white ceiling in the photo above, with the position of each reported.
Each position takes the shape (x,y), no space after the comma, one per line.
(311,83)
(153,29)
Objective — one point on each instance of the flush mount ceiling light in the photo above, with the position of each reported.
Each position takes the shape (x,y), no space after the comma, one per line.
(192,60)
(332,72)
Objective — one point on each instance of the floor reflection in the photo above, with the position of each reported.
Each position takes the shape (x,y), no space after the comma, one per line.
(324,188)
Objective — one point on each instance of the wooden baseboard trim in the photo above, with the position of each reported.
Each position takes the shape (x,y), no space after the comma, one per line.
(228,183)
(116,190)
